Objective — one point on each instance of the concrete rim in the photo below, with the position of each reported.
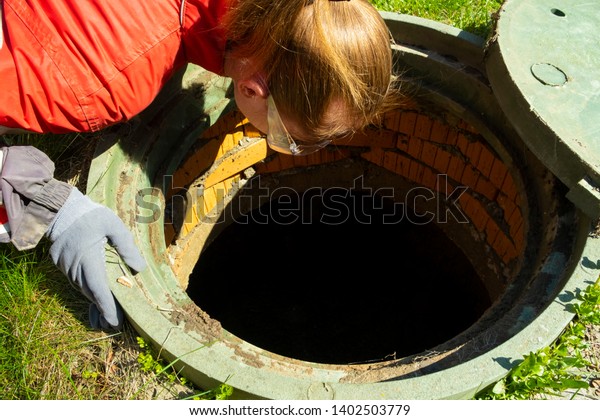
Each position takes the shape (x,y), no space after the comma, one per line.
(207,362)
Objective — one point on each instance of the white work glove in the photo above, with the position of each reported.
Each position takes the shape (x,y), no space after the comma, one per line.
(79,233)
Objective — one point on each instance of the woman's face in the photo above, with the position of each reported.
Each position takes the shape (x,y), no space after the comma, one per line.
(252,97)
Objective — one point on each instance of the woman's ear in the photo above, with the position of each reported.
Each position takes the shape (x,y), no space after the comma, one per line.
(248,80)
(253,86)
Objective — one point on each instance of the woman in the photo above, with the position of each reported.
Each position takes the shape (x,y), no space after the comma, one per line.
(303,71)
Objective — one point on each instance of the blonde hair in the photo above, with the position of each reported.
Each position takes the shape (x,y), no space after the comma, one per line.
(317,53)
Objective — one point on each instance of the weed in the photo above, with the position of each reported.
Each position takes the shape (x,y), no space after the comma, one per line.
(221,392)
(587,310)
(559,367)
(149,362)
(90,374)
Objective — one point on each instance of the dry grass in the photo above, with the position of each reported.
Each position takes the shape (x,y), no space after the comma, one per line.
(47,350)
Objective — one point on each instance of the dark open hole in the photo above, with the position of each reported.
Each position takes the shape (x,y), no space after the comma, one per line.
(338,278)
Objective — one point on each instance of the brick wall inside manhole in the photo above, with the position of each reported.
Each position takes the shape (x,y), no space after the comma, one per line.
(387,245)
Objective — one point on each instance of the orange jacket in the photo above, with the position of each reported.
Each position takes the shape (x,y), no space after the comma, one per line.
(80,65)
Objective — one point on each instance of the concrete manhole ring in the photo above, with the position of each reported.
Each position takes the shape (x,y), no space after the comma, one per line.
(529,245)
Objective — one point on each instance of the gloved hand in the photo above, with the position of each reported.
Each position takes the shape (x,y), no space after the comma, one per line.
(78,234)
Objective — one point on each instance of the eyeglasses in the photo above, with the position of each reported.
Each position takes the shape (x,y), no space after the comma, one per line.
(279,138)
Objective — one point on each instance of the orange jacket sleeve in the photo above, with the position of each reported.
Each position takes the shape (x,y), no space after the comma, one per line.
(81,65)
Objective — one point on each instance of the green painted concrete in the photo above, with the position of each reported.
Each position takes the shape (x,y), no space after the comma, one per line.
(449,65)
(544,66)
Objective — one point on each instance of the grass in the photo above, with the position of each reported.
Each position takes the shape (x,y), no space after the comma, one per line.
(38,314)
(471,15)
(47,351)
(566,367)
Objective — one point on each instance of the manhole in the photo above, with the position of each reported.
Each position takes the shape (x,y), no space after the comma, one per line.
(332,276)
(469,258)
